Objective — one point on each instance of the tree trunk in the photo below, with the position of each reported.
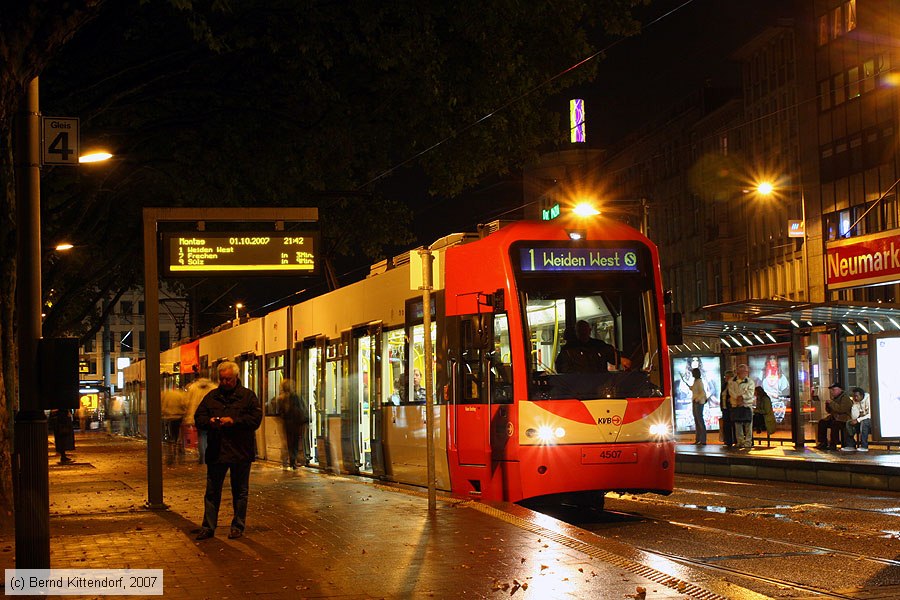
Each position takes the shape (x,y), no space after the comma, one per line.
(7,319)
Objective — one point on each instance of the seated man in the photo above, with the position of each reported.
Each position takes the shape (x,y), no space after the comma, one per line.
(585,354)
(838,414)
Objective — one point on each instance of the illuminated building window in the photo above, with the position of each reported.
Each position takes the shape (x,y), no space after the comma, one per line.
(576,121)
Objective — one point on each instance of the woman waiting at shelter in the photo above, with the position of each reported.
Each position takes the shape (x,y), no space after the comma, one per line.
(860,421)
(763,415)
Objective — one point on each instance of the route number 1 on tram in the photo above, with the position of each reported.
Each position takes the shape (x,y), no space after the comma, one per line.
(60,144)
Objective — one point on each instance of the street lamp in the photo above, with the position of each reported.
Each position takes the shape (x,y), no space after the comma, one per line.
(93,157)
(237,311)
(766,188)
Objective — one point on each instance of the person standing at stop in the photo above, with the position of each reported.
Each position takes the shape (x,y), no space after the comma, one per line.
(230,414)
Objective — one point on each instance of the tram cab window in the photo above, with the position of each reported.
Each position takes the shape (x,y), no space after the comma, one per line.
(625,319)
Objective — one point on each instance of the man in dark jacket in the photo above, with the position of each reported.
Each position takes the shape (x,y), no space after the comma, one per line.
(230,414)
(838,410)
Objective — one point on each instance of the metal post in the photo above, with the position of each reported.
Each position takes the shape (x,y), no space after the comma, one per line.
(151,329)
(425,253)
(645,217)
(30,470)
(805,243)
(798,434)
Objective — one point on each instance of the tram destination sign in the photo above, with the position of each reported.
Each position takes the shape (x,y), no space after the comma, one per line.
(217,253)
(539,259)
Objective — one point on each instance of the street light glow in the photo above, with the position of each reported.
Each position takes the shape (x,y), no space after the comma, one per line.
(765,188)
(585,209)
(94,157)
(64,246)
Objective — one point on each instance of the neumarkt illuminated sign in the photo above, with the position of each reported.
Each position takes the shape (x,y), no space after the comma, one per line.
(212,253)
(538,259)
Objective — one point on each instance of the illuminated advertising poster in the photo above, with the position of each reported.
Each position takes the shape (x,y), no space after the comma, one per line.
(887,357)
(770,372)
(710,368)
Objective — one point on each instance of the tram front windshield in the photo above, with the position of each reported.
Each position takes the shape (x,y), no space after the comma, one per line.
(591,336)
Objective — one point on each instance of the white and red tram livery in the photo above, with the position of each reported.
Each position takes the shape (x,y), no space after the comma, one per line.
(508,425)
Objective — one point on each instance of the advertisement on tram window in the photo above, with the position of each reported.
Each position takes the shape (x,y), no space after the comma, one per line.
(770,372)
(886,400)
(711,372)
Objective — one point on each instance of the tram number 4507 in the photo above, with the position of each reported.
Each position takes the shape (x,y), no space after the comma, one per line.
(593,456)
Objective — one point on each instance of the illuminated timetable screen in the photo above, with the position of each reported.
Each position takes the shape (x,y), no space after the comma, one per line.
(211,253)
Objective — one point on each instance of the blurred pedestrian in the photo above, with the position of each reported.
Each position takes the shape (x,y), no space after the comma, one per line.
(292,417)
(63,427)
(698,400)
(195,394)
(726,424)
(231,414)
(741,394)
(173,406)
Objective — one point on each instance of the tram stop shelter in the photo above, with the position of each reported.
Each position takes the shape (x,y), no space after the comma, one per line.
(795,350)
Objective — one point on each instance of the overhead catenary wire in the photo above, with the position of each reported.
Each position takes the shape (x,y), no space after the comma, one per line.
(515,100)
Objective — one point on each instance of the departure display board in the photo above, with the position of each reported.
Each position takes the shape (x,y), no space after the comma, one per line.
(536,259)
(269,253)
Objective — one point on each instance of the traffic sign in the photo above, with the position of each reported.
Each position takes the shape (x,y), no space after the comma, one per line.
(60,141)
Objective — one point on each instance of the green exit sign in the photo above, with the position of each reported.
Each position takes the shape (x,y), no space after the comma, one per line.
(551,213)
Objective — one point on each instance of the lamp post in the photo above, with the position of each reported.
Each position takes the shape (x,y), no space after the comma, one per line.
(237,311)
(766,188)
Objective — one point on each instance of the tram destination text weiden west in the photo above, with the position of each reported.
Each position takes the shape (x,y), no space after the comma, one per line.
(534,259)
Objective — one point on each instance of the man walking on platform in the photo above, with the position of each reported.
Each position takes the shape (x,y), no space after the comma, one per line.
(230,414)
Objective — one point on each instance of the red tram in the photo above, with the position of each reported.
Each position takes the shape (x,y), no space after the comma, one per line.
(509,425)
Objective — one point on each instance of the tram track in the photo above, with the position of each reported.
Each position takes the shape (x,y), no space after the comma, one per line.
(721,569)
(805,548)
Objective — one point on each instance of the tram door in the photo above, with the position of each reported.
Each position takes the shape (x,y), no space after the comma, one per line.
(250,367)
(308,370)
(470,401)
(363,397)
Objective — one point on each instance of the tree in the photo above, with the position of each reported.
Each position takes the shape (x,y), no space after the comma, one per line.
(275,102)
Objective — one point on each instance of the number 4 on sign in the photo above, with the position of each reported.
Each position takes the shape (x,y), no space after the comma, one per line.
(60,146)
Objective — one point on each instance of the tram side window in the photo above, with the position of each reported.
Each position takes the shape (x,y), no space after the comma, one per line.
(501,362)
(274,375)
(394,363)
(249,376)
(416,390)
(471,361)
(332,382)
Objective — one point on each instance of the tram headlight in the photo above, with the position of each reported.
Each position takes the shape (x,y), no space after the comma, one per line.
(660,430)
(546,434)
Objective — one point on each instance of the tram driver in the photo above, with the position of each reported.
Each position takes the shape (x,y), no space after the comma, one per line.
(585,354)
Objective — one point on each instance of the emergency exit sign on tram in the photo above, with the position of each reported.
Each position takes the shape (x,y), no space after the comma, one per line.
(248,253)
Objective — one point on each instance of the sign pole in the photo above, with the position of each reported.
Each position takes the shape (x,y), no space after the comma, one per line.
(30,463)
(425,253)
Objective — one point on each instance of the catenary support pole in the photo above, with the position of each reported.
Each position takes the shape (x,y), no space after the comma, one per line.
(425,253)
